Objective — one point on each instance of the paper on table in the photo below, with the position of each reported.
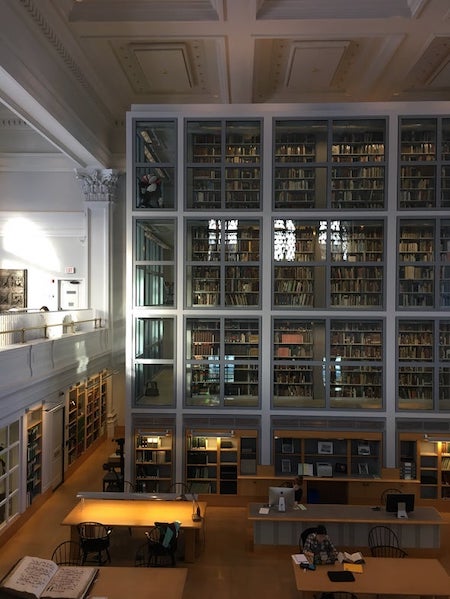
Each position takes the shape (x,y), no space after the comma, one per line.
(299,558)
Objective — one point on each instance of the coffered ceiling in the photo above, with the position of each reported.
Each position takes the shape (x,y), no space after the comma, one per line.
(71,69)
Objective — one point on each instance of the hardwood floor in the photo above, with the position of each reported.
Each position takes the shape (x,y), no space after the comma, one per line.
(226,569)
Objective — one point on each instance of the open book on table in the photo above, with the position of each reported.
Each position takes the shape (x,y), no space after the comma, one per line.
(37,578)
(350,558)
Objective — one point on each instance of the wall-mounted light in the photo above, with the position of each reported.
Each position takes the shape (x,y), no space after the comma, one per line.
(437,438)
(213,433)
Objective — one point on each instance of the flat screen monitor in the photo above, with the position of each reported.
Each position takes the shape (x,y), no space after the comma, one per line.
(394,499)
(276,492)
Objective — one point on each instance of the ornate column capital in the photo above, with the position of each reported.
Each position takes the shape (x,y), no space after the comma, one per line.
(98,185)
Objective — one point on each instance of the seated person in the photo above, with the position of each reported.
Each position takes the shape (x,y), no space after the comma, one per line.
(298,490)
(318,549)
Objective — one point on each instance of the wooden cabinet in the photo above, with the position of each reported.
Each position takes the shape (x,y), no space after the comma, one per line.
(34,454)
(153,461)
(326,455)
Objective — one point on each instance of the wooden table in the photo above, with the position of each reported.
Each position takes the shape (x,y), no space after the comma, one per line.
(347,525)
(131,513)
(145,583)
(380,576)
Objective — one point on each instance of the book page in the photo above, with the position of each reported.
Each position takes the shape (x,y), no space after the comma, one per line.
(31,575)
(70,582)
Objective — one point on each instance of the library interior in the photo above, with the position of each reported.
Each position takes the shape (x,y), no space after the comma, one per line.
(224,298)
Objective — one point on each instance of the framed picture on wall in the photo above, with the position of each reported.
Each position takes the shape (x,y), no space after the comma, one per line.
(325,447)
(363,469)
(13,289)
(286,466)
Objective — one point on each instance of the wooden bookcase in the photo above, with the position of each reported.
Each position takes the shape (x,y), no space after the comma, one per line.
(34,454)
(153,461)
(213,462)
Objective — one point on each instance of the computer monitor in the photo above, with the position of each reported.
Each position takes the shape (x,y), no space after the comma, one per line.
(286,492)
(397,502)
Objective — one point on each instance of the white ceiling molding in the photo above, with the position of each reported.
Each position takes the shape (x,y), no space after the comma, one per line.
(334,9)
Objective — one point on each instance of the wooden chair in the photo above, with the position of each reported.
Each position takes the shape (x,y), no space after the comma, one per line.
(143,556)
(162,541)
(383,542)
(95,538)
(68,553)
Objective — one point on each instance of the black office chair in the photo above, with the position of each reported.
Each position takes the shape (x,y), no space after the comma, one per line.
(383,542)
(162,541)
(304,535)
(68,553)
(95,538)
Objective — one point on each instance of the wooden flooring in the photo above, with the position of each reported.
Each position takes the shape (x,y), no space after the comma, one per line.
(227,568)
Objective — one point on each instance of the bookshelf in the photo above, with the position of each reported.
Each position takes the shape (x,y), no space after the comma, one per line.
(416,270)
(213,461)
(343,160)
(223,166)
(223,265)
(222,361)
(348,454)
(85,415)
(153,462)
(34,454)
(347,253)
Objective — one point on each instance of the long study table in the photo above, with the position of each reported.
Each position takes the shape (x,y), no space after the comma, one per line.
(380,576)
(347,525)
(145,583)
(135,513)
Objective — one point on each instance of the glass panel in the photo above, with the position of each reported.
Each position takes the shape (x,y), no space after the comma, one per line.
(203,383)
(416,268)
(415,340)
(355,341)
(444,388)
(359,182)
(417,147)
(356,386)
(154,285)
(154,385)
(444,341)
(296,247)
(203,285)
(445,186)
(154,338)
(155,240)
(155,158)
(444,270)
(415,388)
(298,182)
(241,384)
(202,339)
(241,339)
(298,386)
(234,148)
(299,340)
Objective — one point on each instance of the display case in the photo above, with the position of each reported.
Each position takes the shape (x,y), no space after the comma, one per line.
(153,461)
(75,423)
(223,164)
(34,454)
